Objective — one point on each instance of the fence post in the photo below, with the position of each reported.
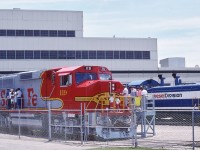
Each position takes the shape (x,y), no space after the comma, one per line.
(107,133)
(193,144)
(82,123)
(85,128)
(134,124)
(19,123)
(49,118)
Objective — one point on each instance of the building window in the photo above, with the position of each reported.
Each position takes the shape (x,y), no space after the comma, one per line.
(70,33)
(10,32)
(28,32)
(129,55)
(19,32)
(2,32)
(53,33)
(109,54)
(28,54)
(44,54)
(92,55)
(37,55)
(146,54)
(62,33)
(36,32)
(61,54)
(2,54)
(53,55)
(44,33)
(101,55)
(116,54)
(11,54)
(19,54)
(70,54)
(41,33)
(122,55)
(84,54)
(138,54)
(78,55)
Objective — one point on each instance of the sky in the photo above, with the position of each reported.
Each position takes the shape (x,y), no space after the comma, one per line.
(175,23)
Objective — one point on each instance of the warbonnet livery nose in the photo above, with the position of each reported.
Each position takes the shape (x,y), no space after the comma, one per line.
(116,87)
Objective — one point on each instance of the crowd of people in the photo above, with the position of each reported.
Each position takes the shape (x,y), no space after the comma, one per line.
(14,99)
(134,92)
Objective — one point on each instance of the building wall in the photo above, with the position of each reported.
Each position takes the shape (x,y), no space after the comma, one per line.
(42,20)
(89,44)
(45,20)
(176,62)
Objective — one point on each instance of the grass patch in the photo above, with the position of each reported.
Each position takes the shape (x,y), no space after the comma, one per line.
(122,148)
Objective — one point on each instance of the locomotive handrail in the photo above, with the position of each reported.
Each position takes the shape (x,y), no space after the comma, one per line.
(52,91)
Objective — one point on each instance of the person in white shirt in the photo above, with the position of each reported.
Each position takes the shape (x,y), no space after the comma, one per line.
(125,93)
(19,98)
(133,94)
(144,92)
(12,97)
(15,101)
(144,96)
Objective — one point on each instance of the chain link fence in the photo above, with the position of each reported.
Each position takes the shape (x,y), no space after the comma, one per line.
(133,127)
(24,122)
(66,125)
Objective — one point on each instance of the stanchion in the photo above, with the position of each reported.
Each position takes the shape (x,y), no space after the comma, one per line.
(19,123)
(49,118)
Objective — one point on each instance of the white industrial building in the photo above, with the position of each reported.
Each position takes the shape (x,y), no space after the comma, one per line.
(40,39)
(178,62)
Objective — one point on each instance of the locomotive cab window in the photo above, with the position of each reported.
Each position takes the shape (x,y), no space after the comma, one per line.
(104,76)
(85,76)
(65,80)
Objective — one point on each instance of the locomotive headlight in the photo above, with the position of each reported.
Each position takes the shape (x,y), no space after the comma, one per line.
(113,86)
(88,68)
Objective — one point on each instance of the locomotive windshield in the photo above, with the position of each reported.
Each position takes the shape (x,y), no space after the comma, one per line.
(84,76)
(104,76)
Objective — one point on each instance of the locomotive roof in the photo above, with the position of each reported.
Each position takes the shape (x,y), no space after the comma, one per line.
(67,69)
(186,87)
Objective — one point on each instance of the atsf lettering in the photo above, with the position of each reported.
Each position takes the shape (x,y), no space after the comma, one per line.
(32,97)
(3,98)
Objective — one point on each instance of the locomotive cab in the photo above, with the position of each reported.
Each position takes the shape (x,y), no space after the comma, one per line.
(71,86)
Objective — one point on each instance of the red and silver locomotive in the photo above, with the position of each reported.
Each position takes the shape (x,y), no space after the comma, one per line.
(65,87)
